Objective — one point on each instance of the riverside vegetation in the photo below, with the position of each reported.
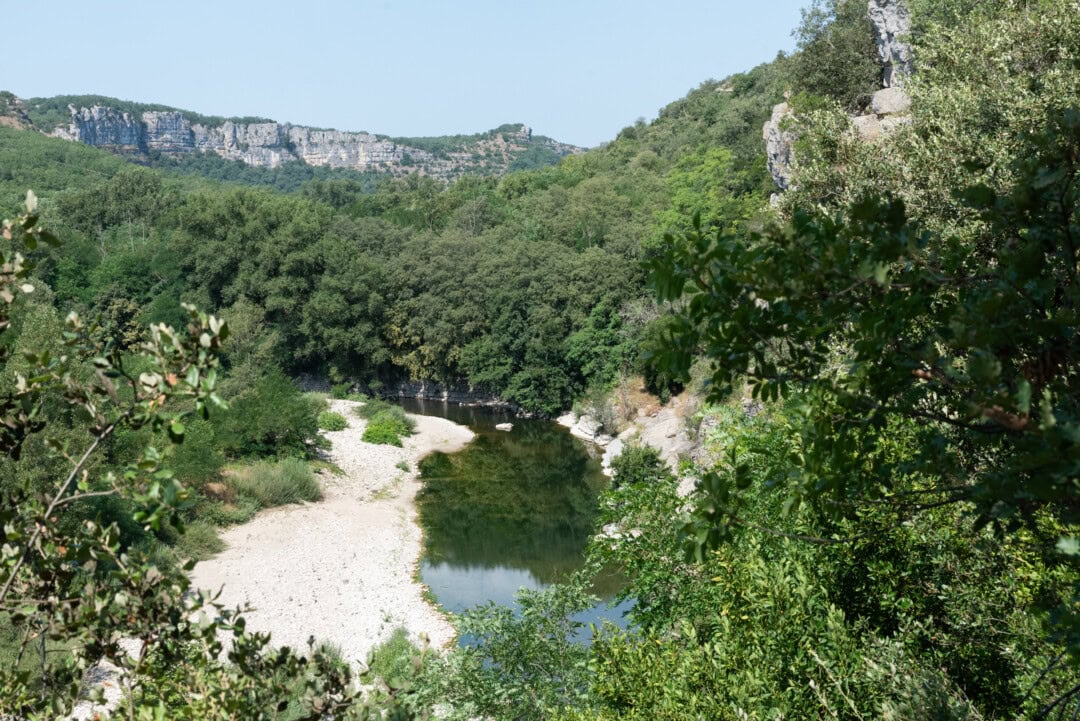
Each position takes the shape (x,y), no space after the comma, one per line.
(895,534)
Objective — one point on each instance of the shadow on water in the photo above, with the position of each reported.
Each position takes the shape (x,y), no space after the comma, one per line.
(511,510)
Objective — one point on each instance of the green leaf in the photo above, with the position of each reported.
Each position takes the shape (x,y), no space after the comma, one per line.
(176,431)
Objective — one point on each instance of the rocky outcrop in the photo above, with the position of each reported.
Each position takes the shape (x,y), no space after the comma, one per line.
(890,107)
(890,101)
(892,24)
(104,127)
(270,144)
(779,146)
(665,430)
(13,112)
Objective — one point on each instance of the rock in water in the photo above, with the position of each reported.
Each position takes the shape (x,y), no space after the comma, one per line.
(504,426)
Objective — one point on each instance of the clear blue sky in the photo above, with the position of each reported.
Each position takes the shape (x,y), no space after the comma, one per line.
(576,71)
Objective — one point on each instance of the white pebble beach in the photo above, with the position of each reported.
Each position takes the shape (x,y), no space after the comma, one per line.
(342,569)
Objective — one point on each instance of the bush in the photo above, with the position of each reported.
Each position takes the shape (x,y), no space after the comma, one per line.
(387,423)
(239,511)
(331,421)
(638,464)
(340,391)
(383,431)
(199,541)
(273,418)
(372,407)
(277,484)
(197,459)
(391,660)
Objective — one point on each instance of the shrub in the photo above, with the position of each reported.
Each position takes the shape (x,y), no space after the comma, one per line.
(199,541)
(331,421)
(277,484)
(340,390)
(638,464)
(391,660)
(383,431)
(372,407)
(273,418)
(387,423)
(197,459)
(231,514)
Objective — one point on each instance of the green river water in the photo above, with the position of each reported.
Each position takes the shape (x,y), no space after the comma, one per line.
(511,510)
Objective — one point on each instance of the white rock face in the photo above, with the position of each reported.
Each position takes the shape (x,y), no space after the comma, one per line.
(892,24)
(169,132)
(587,428)
(103,126)
(779,146)
(613,451)
(272,144)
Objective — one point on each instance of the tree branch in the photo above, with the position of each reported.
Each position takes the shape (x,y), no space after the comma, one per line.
(58,500)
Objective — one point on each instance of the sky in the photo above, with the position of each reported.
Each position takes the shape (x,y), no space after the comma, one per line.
(575,71)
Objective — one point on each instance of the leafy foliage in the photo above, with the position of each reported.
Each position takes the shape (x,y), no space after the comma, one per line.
(837,57)
(387,424)
(271,419)
(331,421)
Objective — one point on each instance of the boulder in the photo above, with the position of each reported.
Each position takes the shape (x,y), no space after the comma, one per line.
(504,426)
(586,428)
(613,451)
(868,127)
(890,101)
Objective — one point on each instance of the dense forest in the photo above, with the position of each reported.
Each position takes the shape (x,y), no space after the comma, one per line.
(376,283)
(891,533)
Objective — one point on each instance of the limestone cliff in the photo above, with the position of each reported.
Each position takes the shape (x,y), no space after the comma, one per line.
(889,109)
(892,24)
(779,146)
(270,144)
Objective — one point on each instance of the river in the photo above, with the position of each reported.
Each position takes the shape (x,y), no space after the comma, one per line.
(511,510)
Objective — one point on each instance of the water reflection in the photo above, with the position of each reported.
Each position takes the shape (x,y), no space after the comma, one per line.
(511,510)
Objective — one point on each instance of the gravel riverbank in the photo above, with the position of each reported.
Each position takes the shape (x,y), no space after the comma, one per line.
(342,569)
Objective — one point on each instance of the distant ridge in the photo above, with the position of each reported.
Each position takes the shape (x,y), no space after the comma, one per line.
(142,130)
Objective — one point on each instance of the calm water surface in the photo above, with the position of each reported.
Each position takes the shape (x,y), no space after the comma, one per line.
(511,510)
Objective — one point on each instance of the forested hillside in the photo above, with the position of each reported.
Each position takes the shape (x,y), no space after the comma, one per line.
(528,288)
(884,521)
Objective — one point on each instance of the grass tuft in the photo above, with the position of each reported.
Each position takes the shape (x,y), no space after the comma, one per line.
(277,484)
(392,660)
(199,541)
